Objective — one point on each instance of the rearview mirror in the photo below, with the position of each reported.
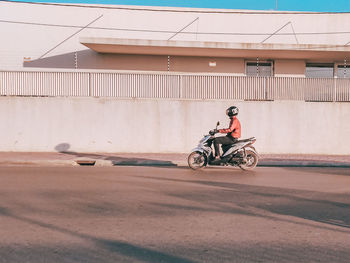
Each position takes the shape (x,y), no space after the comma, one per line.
(218,123)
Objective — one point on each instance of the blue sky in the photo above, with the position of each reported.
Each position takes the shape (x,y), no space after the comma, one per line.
(282,5)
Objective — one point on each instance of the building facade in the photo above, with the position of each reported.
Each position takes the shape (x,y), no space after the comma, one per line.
(47,37)
(76,74)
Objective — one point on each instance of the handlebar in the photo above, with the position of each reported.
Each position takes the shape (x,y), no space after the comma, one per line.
(213,132)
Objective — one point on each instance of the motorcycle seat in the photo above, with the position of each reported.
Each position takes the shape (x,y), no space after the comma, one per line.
(225,147)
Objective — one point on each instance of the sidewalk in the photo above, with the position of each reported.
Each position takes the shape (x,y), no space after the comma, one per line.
(154,159)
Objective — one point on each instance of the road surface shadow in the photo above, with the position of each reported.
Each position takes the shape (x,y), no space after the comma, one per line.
(122,250)
(318,210)
(268,202)
(344,171)
(110,250)
(115,160)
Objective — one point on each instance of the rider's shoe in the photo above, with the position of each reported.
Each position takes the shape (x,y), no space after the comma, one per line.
(217,159)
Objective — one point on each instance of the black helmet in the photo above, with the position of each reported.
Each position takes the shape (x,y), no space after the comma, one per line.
(232,111)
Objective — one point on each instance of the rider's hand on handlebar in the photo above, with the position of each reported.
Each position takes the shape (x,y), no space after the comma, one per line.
(212,132)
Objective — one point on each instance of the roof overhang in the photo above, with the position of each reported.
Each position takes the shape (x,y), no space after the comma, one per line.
(217,49)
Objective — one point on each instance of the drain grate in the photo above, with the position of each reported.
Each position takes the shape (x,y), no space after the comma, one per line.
(86,162)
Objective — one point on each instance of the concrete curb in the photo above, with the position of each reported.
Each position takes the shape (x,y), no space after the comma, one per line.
(160,163)
(303,164)
(39,163)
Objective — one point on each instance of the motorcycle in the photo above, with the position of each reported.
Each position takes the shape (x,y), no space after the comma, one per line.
(241,153)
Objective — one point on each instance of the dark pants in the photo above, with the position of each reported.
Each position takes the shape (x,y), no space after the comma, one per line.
(223,140)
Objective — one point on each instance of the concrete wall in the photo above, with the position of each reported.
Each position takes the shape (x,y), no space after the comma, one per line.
(289,68)
(145,125)
(207,64)
(92,60)
(89,59)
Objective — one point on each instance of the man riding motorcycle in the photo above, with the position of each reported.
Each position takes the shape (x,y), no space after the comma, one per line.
(236,152)
(233,133)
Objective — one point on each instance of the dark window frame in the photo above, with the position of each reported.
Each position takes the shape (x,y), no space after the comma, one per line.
(262,63)
(320,65)
(347,72)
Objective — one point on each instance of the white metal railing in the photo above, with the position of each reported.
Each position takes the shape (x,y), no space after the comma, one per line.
(44,83)
(134,85)
(182,86)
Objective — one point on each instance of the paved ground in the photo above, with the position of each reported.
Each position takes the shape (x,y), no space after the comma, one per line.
(165,159)
(174,214)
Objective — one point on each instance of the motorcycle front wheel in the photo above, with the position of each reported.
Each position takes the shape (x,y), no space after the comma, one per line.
(197,160)
(251,161)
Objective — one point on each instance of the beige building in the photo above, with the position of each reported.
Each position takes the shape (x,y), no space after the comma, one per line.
(49,37)
(90,76)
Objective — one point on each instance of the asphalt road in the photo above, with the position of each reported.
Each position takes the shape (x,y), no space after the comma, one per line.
(154,214)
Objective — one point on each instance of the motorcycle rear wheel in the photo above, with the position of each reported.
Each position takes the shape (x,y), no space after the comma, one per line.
(252,161)
(197,160)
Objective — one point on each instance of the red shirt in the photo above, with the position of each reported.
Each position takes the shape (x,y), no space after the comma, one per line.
(235,128)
